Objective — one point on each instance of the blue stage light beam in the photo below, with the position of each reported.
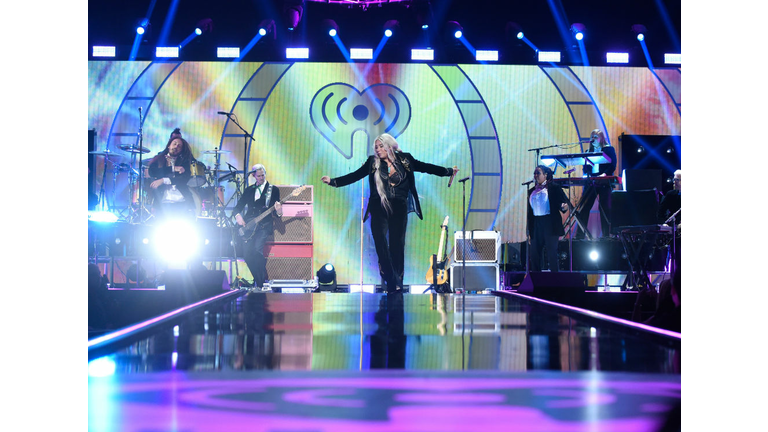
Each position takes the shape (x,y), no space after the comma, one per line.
(188,39)
(646,54)
(583,52)
(668,23)
(529,43)
(168,23)
(248,47)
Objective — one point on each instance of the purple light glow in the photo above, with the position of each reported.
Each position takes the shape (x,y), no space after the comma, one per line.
(601,316)
(142,325)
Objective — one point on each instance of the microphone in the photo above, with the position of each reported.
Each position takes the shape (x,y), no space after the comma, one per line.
(452,176)
(139,109)
(569,171)
(231,168)
(223,113)
(527,183)
(464,179)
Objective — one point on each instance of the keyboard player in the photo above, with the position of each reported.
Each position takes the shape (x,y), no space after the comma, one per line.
(600,191)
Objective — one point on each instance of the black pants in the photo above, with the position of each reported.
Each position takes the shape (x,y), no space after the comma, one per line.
(590,194)
(541,238)
(388,232)
(253,255)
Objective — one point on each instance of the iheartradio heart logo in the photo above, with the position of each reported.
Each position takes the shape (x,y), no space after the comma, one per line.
(339,111)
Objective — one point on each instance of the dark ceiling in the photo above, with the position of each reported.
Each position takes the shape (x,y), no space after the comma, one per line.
(545,22)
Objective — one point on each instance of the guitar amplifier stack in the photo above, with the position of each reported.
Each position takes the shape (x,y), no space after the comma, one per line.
(481,249)
(289,252)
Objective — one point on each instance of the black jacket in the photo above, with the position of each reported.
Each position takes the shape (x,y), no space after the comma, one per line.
(556,198)
(410,164)
(607,169)
(255,208)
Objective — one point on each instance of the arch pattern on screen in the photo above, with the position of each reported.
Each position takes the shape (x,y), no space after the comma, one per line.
(485,192)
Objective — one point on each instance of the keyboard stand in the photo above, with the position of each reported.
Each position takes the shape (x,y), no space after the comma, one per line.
(638,243)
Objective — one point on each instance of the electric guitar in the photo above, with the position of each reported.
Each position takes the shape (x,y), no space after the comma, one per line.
(249,229)
(440,273)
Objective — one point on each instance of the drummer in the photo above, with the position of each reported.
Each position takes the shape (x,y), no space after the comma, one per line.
(170,171)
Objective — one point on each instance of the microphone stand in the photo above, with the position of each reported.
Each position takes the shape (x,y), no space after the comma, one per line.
(463,240)
(674,238)
(527,231)
(230,116)
(570,208)
(539,149)
(141,171)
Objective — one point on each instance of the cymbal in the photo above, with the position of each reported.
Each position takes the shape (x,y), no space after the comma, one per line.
(132,149)
(108,153)
(215,151)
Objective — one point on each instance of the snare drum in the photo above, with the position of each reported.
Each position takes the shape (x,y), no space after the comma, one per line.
(197,171)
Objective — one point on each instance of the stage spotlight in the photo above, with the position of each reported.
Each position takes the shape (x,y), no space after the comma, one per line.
(593,255)
(102,216)
(390,27)
(140,30)
(640,149)
(423,14)
(198,31)
(423,54)
(292,12)
(578,30)
(326,278)
(514,29)
(639,30)
(331,27)
(267,26)
(454,29)
(549,56)
(227,52)
(176,241)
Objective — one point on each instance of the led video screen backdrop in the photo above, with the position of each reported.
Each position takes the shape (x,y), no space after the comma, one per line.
(313,119)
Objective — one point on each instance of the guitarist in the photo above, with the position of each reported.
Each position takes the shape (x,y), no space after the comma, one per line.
(258,198)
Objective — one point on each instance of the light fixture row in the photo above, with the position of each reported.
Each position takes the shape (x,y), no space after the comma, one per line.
(422,54)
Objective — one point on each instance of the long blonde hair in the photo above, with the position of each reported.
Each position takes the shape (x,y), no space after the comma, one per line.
(601,138)
(391,146)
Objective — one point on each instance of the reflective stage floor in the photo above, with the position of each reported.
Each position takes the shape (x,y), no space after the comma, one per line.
(377,362)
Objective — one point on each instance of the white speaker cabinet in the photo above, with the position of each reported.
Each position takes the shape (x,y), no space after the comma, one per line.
(480,246)
(480,276)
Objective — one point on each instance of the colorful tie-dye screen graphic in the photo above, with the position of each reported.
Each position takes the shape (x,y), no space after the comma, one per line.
(308,120)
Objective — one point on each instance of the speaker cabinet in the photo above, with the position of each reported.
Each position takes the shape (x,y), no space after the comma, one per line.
(633,208)
(295,226)
(289,261)
(557,284)
(478,246)
(479,276)
(513,256)
(194,285)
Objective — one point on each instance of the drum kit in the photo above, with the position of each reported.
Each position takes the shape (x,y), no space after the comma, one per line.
(205,184)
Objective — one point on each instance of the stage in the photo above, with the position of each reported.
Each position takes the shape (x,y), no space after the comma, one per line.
(248,360)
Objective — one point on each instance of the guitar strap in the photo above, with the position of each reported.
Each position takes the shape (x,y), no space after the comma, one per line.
(268,197)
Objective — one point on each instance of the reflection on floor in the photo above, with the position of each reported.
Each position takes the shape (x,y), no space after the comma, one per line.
(314,362)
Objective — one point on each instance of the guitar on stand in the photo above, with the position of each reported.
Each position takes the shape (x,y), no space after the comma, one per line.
(247,231)
(437,275)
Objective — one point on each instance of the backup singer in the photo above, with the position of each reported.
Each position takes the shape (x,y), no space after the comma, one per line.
(602,191)
(257,198)
(393,195)
(545,226)
(169,170)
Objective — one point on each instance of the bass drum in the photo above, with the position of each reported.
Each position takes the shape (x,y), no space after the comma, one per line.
(205,204)
(197,170)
